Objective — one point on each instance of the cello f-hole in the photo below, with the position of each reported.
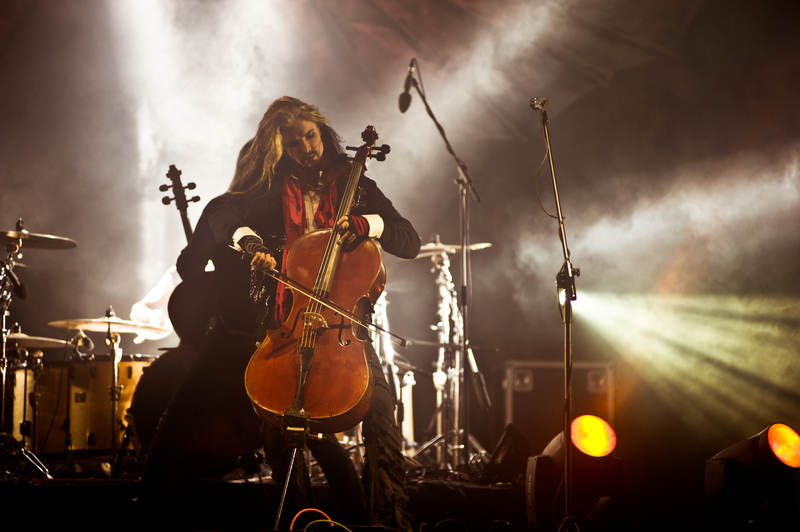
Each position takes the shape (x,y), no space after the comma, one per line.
(342,341)
(288,334)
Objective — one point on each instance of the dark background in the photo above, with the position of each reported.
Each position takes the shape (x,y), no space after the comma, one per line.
(675,128)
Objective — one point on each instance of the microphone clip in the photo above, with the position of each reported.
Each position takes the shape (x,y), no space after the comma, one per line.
(80,340)
(538,104)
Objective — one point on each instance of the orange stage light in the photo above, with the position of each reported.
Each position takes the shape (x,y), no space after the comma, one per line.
(593,436)
(785,444)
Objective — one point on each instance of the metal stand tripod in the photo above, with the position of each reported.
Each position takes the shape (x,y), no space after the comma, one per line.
(453,446)
(12,450)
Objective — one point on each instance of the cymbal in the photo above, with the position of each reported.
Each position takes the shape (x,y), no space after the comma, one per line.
(116,325)
(36,240)
(35,342)
(435,248)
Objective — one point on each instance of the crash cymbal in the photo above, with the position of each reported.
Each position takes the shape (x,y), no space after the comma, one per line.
(116,325)
(435,248)
(34,342)
(36,240)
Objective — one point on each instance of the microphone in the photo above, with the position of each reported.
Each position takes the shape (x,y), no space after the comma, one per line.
(81,340)
(405,98)
(19,289)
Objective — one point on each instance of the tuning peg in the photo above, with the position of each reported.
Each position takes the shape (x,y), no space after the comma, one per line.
(382,151)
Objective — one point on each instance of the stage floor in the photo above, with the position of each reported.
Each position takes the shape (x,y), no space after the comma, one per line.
(79,497)
(85,496)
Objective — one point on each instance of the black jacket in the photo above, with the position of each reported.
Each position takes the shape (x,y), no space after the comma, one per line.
(223,215)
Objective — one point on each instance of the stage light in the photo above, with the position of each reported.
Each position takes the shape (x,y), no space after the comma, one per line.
(593,436)
(753,484)
(684,346)
(597,484)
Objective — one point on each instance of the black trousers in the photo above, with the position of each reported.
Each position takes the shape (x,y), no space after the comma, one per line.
(383,481)
(213,389)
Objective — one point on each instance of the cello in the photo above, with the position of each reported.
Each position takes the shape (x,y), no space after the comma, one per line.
(218,439)
(313,373)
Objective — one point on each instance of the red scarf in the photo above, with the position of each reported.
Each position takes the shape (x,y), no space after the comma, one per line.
(294,220)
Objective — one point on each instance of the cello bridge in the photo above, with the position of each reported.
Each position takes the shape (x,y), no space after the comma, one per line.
(310,317)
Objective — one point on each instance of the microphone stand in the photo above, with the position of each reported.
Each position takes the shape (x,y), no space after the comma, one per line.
(460,429)
(565,285)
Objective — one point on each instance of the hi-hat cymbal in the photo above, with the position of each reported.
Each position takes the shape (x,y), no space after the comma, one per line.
(34,342)
(113,323)
(435,248)
(36,240)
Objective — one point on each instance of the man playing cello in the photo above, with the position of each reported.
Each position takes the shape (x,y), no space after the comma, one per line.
(288,183)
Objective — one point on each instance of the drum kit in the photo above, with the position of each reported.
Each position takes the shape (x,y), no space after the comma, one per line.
(73,407)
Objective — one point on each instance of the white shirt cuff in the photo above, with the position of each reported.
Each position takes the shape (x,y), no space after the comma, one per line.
(375,225)
(239,233)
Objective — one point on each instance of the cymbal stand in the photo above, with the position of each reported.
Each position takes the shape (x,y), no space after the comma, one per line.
(114,389)
(453,441)
(8,283)
(465,187)
(5,302)
(447,376)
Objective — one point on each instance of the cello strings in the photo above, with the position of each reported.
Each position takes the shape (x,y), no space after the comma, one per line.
(308,337)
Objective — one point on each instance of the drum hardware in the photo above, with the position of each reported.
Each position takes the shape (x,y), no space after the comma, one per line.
(36,388)
(10,283)
(113,327)
(15,459)
(453,446)
(399,374)
(38,395)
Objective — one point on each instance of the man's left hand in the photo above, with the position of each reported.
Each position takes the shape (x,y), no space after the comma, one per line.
(351,228)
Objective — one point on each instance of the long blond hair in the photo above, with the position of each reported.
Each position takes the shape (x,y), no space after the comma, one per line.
(257,165)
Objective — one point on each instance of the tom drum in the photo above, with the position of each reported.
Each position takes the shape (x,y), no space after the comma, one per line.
(92,427)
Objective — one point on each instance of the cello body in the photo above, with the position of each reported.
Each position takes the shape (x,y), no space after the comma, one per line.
(339,389)
(315,366)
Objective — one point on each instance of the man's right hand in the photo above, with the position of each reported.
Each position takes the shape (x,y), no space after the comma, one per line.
(262,255)
(263,261)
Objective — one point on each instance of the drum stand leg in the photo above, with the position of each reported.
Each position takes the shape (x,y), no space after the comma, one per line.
(13,452)
(33,460)
(127,438)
